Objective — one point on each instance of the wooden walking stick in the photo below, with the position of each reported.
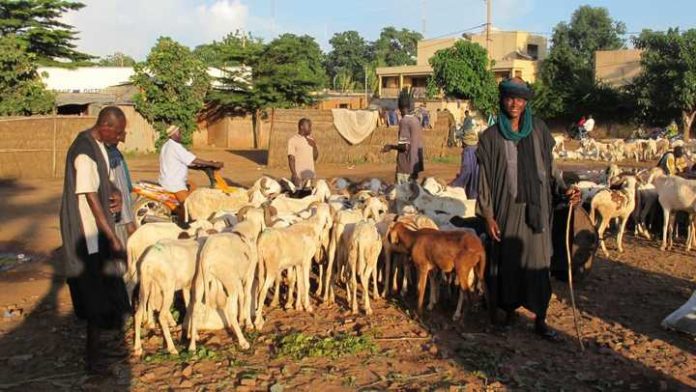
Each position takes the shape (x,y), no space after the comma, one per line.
(570,278)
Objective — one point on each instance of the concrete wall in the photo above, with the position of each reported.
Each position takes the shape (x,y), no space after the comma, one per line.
(617,67)
(236,133)
(426,48)
(505,43)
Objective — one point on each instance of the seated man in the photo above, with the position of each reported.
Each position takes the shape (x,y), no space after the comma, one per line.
(175,161)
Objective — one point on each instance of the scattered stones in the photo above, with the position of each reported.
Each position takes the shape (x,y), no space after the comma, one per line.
(185,383)
(187,371)
(277,387)
(249,382)
(433,350)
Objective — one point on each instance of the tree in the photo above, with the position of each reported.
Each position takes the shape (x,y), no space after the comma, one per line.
(396,47)
(348,57)
(283,73)
(462,72)
(567,74)
(666,87)
(117,59)
(22,92)
(38,24)
(173,84)
(288,71)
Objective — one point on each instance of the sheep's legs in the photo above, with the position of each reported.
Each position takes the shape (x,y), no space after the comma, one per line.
(268,281)
(365,280)
(600,232)
(619,237)
(665,226)
(422,281)
(433,295)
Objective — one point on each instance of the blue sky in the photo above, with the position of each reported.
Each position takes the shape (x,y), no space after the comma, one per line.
(132,26)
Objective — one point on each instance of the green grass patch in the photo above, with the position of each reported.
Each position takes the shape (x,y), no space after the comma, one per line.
(201,354)
(298,346)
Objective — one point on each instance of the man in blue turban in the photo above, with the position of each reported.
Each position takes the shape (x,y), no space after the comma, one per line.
(517,180)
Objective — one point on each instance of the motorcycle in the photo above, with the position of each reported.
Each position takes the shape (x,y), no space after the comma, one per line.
(155,204)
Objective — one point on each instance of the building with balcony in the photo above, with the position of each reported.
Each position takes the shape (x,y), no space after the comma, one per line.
(514,53)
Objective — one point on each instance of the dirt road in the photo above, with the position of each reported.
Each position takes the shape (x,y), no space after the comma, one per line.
(621,303)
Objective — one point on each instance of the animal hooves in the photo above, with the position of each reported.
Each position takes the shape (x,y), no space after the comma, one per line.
(244,345)
(368,312)
(137,352)
(456,317)
(173,352)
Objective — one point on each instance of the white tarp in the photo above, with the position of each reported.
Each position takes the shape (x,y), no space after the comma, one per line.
(684,318)
(355,125)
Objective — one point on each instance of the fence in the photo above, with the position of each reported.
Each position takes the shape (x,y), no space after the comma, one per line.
(334,149)
(36,147)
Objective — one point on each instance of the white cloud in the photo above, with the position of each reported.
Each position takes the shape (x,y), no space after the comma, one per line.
(133,26)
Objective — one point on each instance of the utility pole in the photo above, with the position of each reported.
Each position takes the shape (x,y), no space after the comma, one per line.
(423,16)
(367,98)
(489,7)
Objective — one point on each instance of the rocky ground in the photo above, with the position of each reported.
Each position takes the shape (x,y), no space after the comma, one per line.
(621,305)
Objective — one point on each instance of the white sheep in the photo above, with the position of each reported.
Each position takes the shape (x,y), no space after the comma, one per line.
(674,194)
(167,266)
(202,203)
(614,204)
(364,246)
(231,260)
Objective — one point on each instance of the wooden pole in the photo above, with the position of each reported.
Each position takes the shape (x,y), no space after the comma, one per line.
(489,12)
(55,131)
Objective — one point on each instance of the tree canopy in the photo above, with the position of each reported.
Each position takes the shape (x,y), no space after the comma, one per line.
(396,47)
(348,57)
(38,23)
(173,84)
(117,59)
(22,92)
(567,83)
(462,72)
(666,87)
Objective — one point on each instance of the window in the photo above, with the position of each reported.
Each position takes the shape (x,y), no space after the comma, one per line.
(518,73)
(343,106)
(533,51)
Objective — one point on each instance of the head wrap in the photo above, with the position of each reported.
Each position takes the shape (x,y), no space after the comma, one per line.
(172,130)
(515,88)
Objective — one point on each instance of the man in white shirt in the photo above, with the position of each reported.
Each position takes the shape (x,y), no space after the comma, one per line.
(91,248)
(302,152)
(175,161)
(589,124)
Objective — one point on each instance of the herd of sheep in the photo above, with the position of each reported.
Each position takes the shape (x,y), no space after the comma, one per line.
(242,246)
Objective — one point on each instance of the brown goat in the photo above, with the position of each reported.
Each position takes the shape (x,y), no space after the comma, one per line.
(445,250)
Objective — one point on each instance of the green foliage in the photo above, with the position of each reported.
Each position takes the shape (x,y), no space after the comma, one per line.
(298,346)
(567,74)
(117,59)
(22,92)
(38,24)
(666,87)
(349,56)
(396,47)
(462,72)
(287,71)
(236,96)
(201,354)
(173,84)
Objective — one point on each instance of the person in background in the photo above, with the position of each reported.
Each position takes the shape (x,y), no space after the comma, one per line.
(673,162)
(469,168)
(672,130)
(175,161)
(92,250)
(517,179)
(409,156)
(125,225)
(589,124)
(302,153)
(452,137)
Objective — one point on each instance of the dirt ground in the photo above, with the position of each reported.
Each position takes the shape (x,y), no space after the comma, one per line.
(621,305)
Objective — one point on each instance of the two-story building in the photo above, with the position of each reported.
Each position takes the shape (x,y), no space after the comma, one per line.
(514,53)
